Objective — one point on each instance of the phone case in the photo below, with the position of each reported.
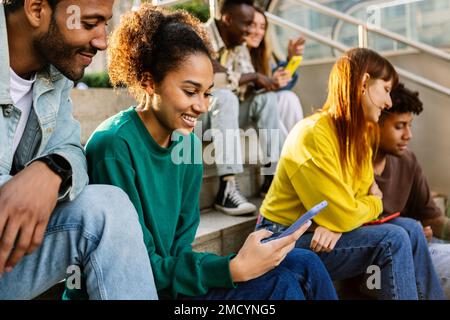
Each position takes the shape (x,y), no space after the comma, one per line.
(293,64)
(383,219)
(300,221)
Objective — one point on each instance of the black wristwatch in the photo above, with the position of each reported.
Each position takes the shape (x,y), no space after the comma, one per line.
(58,165)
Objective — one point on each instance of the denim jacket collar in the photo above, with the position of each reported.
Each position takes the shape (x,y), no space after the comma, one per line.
(5,97)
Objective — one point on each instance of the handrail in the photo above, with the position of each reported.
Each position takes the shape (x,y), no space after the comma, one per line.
(308,33)
(375,4)
(336,45)
(369,27)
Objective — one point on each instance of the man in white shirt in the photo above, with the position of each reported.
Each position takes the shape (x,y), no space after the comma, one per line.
(51,222)
(22,96)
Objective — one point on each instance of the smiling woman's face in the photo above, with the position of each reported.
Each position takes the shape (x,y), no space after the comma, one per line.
(258,32)
(184,94)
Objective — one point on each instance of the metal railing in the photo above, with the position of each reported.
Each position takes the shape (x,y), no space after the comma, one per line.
(362,32)
(364,28)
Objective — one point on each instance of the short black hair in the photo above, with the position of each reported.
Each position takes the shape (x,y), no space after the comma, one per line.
(405,100)
(14,5)
(227,5)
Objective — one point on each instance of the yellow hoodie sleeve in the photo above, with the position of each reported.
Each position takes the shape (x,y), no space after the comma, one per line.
(320,179)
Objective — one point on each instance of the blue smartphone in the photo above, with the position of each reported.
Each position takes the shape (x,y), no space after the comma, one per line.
(301,221)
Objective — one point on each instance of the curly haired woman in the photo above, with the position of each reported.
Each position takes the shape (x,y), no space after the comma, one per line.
(151,153)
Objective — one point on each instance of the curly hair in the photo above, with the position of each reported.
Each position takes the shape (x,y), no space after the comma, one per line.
(153,41)
(405,100)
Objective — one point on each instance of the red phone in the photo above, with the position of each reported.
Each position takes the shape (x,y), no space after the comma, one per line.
(383,218)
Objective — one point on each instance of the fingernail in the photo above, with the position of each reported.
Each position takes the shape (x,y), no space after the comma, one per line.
(8,269)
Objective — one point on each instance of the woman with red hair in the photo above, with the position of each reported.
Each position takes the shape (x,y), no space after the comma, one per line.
(328,156)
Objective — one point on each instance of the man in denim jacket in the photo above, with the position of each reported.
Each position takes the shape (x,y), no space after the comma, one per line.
(52,225)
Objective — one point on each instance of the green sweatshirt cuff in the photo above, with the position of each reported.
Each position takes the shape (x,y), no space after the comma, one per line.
(217,272)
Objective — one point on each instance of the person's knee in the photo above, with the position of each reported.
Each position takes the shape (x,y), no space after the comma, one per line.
(397,239)
(290,96)
(303,256)
(282,277)
(268,100)
(106,205)
(226,101)
(303,259)
(412,227)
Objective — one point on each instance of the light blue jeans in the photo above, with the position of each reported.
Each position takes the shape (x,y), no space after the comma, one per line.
(213,125)
(261,111)
(228,115)
(98,231)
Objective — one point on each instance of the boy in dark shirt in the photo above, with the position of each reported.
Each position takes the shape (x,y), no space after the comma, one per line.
(404,186)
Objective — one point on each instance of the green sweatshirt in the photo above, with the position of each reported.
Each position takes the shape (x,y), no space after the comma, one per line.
(165,192)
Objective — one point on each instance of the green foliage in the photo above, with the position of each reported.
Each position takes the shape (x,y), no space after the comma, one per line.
(197,8)
(96,80)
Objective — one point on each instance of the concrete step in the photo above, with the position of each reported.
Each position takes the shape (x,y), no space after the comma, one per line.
(91,107)
(223,234)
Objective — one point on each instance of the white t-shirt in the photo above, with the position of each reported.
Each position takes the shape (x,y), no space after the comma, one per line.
(22,95)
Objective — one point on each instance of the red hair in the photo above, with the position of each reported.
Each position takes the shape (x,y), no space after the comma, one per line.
(354,134)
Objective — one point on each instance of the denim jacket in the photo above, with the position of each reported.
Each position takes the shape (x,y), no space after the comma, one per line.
(59,130)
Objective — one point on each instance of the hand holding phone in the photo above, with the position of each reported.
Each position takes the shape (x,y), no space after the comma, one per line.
(282,77)
(300,221)
(293,64)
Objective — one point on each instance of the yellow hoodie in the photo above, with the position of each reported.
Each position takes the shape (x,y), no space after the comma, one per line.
(310,171)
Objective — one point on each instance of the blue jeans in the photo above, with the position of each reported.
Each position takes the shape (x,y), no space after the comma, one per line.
(301,275)
(398,248)
(98,231)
